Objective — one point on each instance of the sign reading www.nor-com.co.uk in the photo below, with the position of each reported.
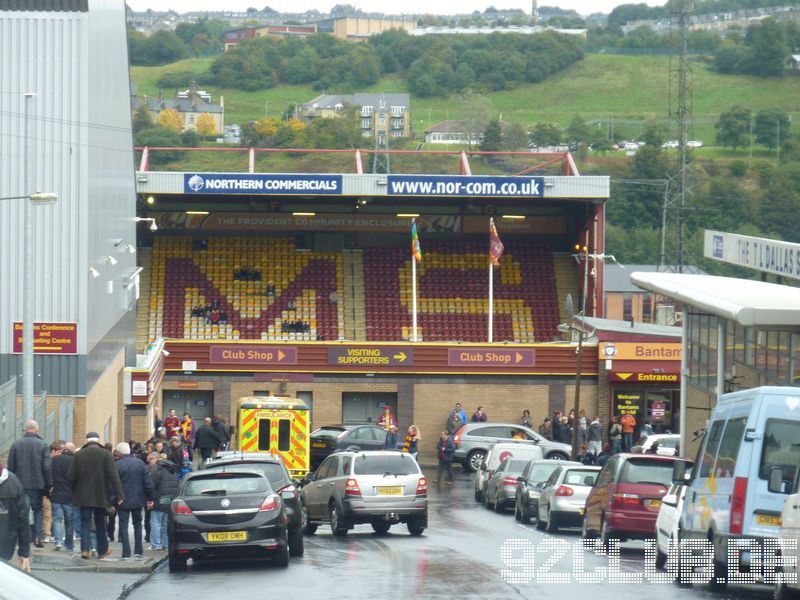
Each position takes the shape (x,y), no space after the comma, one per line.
(261,183)
(464,185)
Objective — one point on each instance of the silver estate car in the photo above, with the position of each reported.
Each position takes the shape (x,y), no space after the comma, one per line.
(381,488)
(562,500)
(474,440)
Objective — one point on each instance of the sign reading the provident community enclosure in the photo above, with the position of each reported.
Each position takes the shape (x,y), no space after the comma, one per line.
(49,338)
(374,356)
(262,183)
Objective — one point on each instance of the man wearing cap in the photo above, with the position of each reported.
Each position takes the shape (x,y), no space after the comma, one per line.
(92,475)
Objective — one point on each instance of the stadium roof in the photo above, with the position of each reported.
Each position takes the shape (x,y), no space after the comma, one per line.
(617,278)
(630,327)
(748,302)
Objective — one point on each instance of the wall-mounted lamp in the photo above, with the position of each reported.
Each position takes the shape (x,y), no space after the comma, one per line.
(111,260)
(94,272)
(151,220)
(130,249)
(151,199)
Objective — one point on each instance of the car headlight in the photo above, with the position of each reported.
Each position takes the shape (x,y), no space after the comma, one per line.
(532,494)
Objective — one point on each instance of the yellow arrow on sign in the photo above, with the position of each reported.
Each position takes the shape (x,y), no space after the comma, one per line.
(281,355)
(519,357)
(400,356)
(624,376)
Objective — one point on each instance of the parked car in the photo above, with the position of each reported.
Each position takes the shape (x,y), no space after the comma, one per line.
(474,440)
(671,144)
(501,488)
(380,488)
(279,479)
(563,497)
(498,452)
(625,500)
(333,438)
(667,442)
(747,464)
(223,512)
(695,144)
(17,584)
(790,532)
(529,486)
(668,530)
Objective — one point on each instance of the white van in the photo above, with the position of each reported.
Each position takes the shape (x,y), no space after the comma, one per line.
(790,531)
(522,449)
(746,463)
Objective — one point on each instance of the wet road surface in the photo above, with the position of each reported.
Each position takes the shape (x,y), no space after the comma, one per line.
(459,555)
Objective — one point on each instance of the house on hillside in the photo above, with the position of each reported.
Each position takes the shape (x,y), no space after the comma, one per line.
(357,28)
(233,37)
(382,116)
(454,132)
(189,105)
(794,63)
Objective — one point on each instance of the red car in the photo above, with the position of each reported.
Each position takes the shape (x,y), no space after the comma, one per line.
(626,497)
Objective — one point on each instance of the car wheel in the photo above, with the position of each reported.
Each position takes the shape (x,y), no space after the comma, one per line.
(281,556)
(517,516)
(605,534)
(499,507)
(479,495)
(308,528)
(475,460)
(540,525)
(557,456)
(486,499)
(177,563)
(415,527)
(524,515)
(661,558)
(296,546)
(337,522)
(719,581)
(381,526)
(552,522)
(784,592)
(586,533)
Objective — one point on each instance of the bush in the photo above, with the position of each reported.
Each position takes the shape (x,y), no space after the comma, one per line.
(738,168)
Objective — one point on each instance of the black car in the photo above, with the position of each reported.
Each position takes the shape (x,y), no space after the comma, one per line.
(225,512)
(530,483)
(333,438)
(275,471)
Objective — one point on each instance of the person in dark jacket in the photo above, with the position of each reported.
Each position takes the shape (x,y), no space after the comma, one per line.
(92,476)
(445,448)
(61,498)
(206,440)
(138,490)
(29,460)
(175,453)
(14,528)
(222,431)
(165,483)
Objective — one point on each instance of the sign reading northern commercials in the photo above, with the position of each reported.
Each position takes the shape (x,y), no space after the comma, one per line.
(465,186)
(645,377)
(487,358)
(371,356)
(49,338)
(262,183)
(769,256)
(639,351)
(255,355)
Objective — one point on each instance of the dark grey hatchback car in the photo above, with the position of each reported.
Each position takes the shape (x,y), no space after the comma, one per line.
(334,438)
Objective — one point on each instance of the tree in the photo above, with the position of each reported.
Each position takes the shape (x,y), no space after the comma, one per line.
(733,127)
(653,134)
(205,125)
(164,47)
(170,119)
(492,137)
(577,132)
(141,118)
(780,204)
(769,49)
(158,137)
(266,127)
(771,124)
(515,138)
(476,113)
(545,134)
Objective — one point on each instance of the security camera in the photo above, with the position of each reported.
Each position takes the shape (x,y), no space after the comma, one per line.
(111,260)
(165,352)
(94,272)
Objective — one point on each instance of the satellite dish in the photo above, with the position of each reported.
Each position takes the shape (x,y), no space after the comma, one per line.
(569,306)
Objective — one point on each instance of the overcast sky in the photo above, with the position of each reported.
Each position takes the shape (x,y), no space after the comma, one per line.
(441,7)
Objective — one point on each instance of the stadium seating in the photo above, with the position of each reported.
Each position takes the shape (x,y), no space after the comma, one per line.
(185,277)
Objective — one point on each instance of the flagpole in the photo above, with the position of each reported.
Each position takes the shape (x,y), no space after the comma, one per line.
(491,299)
(413,299)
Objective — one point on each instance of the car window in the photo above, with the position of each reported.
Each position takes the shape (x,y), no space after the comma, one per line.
(347,462)
(363,434)
(328,468)
(520,433)
(226,484)
(382,464)
(607,473)
(541,472)
(710,448)
(580,477)
(553,477)
(667,442)
(502,466)
(498,432)
(515,466)
(642,470)
(327,432)
(781,448)
(274,472)
(729,447)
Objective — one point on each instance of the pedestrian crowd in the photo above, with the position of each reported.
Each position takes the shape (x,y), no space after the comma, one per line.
(60,493)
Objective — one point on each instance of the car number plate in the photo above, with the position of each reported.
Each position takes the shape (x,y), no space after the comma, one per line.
(318,444)
(390,491)
(227,536)
(653,504)
(581,510)
(768,520)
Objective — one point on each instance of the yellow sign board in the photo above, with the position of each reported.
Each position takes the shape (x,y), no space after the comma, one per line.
(639,351)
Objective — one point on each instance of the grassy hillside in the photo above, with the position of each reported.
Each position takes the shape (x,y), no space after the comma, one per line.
(631,88)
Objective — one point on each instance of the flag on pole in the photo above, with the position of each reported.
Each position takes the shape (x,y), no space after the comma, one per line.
(495,245)
(416,252)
